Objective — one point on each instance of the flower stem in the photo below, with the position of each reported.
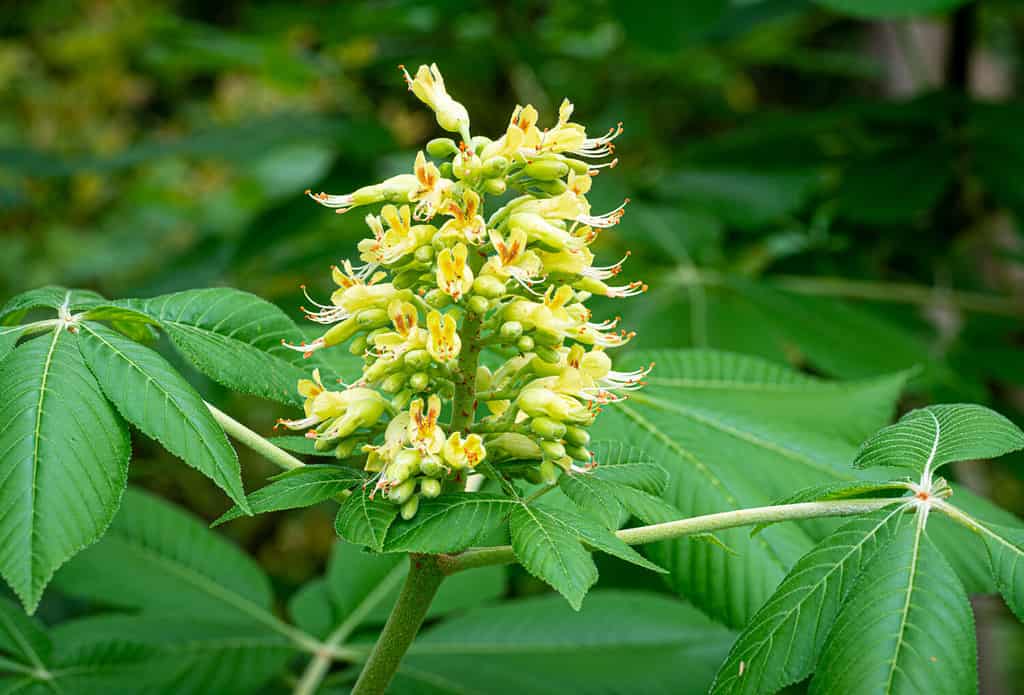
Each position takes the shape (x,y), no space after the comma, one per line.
(254,441)
(464,400)
(421,585)
(502,554)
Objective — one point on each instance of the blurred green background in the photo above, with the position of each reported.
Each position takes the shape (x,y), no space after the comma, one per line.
(837,184)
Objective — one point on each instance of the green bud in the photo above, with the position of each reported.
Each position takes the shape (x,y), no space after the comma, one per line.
(419,381)
(417,359)
(525,343)
(406,279)
(358,345)
(548,472)
(477,304)
(545,337)
(431,466)
(399,494)
(372,318)
(437,299)
(488,286)
(478,142)
(578,166)
(577,436)
(323,444)
(495,166)
(424,254)
(510,330)
(582,296)
(556,187)
(547,428)
(464,167)
(442,148)
(401,399)
(547,354)
(495,186)
(393,383)
(430,488)
(483,378)
(410,507)
(409,459)
(552,450)
(546,169)
(578,452)
(346,447)
(341,332)
(534,476)
(396,473)
(445,169)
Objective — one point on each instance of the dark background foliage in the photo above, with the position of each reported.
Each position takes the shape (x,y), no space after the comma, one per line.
(834,184)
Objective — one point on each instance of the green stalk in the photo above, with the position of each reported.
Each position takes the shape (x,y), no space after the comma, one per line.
(421,585)
(254,441)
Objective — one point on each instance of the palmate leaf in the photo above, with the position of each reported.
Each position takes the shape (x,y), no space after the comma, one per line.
(449,523)
(302,487)
(364,520)
(547,542)
(151,395)
(928,438)
(734,432)
(9,336)
(620,643)
(23,640)
(165,655)
(906,626)
(783,640)
(52,297)
(168,562)
(234,338)
(1006,555)
(63,461)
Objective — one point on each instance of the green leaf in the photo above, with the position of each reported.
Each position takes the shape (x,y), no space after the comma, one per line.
(50,296)
(449,523)
(784,639)
(624,479)
(22,638)
(551,551)
(9,336)
(234,338)
(151,395)
(871,9)
(734,432)
(63,461)
(619,643)
(1006,556)
(302,487)
(166,654)
(169,563)
(600,538)
(299,445)
(365,521)
(928,438)
(905,627)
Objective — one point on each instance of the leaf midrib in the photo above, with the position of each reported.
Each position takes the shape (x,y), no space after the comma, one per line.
(918,532)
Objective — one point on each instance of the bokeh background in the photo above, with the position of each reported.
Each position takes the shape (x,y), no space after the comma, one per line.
(836,184)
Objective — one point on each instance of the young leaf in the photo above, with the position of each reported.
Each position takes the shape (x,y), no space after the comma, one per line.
(168,562)
(783,640)
(735,432)
(234,338)
(50,296)
(551,551)
(302,487)
(22,638)
(449,523)
(151,395)
(540,646)
(906,626)
(928,438)
(365,521)
(63,461)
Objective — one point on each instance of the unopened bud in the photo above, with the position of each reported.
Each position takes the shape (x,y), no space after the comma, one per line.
(577,436)
(483,378)
(419,381)
(358,345)
(547,354)
(578,452)
(430,487)
(552,450)
(372,318)
(442,148)
(510,330)
(547,428)
(495,166)
(546,169)
(393,383)
(488,286)
(545,337)
(495,186)
(437,299)
(431,466)
(400,493)
(445,170)
(525,343)
(477,304)
(424,254)
(548,473)
(341,332)
(417,359)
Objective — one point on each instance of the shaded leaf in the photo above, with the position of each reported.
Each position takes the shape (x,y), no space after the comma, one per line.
(365,521)
(449,523)
(552,552)
(302,487)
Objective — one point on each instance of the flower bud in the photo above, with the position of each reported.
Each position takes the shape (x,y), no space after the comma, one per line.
(430,487)
(393,383)
(547,428)
(417,359)
(547,354)
(437,299)
(552,449)
(358,345)
(548,473)
(442,148)
(495,186)
(578,452)
(346,447)
(431,466)
(477,304)
(546,170)
(372,318)
(525,343)
(401,493)
(478,143)
(483,378)
(543,336)
(445,170)
(494,166)
(510,446)
(410,507)
(340,332)
(488,286)
(424,254)
(419,381)
(577,436)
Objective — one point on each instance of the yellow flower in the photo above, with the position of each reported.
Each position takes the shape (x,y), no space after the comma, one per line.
(467,222)
(453,274)
(428,86)
(461,454)
(432,188)
(524,119)
(443,342)
(423,432)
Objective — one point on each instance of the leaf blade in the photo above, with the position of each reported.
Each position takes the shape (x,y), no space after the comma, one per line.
(302,487)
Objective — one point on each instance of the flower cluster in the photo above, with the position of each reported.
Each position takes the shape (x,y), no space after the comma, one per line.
(437,283)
